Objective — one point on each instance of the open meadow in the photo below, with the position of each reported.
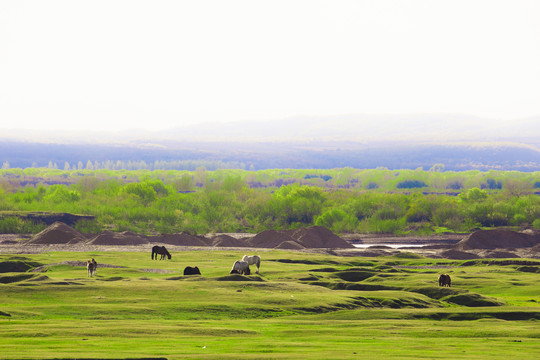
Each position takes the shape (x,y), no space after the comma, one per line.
(301,305)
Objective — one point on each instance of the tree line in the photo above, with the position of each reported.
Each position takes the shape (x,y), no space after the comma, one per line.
(343,200)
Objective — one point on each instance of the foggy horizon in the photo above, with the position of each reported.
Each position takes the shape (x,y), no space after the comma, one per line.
(363,128)
(112,66)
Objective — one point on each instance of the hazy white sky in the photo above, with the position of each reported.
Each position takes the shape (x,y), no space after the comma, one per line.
(158,64)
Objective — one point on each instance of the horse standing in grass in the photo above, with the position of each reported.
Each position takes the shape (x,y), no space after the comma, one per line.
(240,267)
(444,280)
(253,260)
(95,266)
(160,250)
(91,267)
(192,270)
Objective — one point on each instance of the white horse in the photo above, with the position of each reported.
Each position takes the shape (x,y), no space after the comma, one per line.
(253,260)
(241,267)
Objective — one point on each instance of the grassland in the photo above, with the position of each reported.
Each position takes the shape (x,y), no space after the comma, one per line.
(301,305)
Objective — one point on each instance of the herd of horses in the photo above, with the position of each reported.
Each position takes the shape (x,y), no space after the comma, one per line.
(239,267)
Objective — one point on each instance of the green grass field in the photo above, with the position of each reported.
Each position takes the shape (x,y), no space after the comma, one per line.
(300,306)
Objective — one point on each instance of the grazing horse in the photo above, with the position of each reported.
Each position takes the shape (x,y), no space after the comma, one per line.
(192,270)
(95,266)
(444,280)
(241,267)
(91,267)
(253,260)
(160,250)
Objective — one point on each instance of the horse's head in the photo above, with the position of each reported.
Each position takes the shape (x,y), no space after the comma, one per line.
(169,256)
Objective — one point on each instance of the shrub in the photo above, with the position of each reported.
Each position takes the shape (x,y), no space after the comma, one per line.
(337,220)
(411,184)
(474,195)
(372,185)
(144,191)
(455,185)
(88,227)
(493,184)
(60,193)
(15,225)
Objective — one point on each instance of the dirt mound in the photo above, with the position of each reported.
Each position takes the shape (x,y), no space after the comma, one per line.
(497,254)
(58,233)
(224,240)
(319,237)
(290,245)
(313,237)
(458,255)
(497,239)
(180,239)
(269,239)
(113,238)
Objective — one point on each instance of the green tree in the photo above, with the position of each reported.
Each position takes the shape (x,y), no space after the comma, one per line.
(144,192)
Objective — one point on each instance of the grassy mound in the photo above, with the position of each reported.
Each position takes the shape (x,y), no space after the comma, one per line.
(8,279)
(531,269)
(17,266)
(237,277)
(354,276)
(472,300)
(436,292)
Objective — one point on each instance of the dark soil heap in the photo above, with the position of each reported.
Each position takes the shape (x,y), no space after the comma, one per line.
(313,237)
(269,239)
(113,238)
(224,240)
(58,233)
(497,239)
(319,237)
(180,239)
(290,245)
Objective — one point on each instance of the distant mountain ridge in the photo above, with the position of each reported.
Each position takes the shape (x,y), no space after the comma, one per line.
(459,142)
(257,156)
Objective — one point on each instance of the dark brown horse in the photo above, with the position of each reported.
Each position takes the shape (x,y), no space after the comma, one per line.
(160,250)
(91,267)
(192,270)
(444,280)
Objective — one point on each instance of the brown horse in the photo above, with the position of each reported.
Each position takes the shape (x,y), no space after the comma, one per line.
(160,250)
(91,267)
(444,280)
(192,270)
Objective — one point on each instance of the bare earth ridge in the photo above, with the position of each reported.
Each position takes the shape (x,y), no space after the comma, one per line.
(479,244)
